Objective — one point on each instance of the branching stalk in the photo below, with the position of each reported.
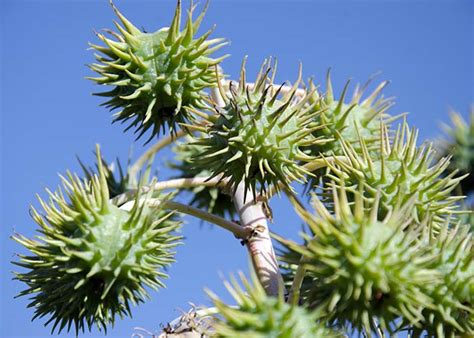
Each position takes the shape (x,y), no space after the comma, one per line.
(235,228)
(259,244)
(177,183)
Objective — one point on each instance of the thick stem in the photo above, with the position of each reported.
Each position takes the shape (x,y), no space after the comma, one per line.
(259,244)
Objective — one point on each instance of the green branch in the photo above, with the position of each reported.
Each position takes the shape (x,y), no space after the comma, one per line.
(235,228)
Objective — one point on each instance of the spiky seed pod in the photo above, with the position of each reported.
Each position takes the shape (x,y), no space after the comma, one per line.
(93,260)
(453,315)
(259,134)
(401,171)
(156,75)
(259,315)
(357,117)
(460,145)
(364,270)
(210,198)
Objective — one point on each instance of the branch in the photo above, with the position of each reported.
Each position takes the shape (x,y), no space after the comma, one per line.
(140,162)
(259,244)
(178,183)
(235,228)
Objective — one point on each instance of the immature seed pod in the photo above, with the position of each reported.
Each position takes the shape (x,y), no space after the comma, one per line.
(92,259)
(453,315)
(401,171)
(363,270)
(210,198)
(460,145)
(156,76)
(259,135)
(259,315)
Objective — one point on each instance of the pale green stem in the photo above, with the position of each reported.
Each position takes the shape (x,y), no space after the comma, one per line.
(295,290)
(147,155)
(235,228)
(177,183)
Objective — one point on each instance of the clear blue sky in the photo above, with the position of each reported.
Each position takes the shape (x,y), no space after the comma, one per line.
(425,48)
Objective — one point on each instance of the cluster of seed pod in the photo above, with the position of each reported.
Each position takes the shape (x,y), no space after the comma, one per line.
(385,251)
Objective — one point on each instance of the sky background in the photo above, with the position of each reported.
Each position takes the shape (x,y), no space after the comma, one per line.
(425,48)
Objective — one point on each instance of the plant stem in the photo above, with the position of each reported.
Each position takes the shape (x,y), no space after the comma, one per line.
(177,183)
(259,244)
(235,228)
(295,290)
(147,155)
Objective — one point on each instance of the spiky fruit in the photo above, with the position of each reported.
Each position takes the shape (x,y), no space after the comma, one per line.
(364,270)
(259,315)
(93,260)
(401,171)
(210,198)
(349,120)
(460,146)
(259,135)
(453,315)
(156,75)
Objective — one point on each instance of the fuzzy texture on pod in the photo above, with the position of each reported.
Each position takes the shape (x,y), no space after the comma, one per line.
(453,315)
(401,171)
(460,145)
(210,198)
(349,120)
(258,136)
(362,269)
(92,259)
(259,315)
(156,76)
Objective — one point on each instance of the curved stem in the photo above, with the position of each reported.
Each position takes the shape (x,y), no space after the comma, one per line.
(177,183)
(235,228)
(147,155)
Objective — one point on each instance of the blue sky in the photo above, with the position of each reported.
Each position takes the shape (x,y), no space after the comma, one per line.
(425,48)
